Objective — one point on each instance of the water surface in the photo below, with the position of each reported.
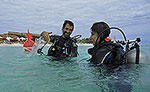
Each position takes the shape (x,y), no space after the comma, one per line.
(22,73)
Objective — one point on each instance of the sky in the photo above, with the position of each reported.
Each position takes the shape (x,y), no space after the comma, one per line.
(132,16)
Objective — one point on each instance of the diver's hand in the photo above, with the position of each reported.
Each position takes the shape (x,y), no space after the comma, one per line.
(45,35)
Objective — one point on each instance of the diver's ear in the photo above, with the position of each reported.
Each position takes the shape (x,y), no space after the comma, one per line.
(62,30)
(98,40)
(101,36)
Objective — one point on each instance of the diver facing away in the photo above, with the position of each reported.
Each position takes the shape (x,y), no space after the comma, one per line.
(104,52)
(62,46)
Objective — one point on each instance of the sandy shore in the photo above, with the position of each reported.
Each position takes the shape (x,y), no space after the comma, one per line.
(13,45)
(85,44)
(21,45)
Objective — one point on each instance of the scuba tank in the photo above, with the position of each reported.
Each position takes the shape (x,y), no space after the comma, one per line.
(133,58)
(133,54)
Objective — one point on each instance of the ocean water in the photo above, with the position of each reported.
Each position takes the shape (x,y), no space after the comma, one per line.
(36,73)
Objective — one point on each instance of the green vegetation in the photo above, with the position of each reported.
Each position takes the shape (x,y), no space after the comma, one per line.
(84,40)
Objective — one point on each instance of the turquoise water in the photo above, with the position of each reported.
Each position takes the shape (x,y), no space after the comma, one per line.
(22,73)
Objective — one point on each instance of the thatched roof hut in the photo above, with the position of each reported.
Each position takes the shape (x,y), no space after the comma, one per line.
(14,37)
(14,33)
(36,35)
(25,35)
(1,36)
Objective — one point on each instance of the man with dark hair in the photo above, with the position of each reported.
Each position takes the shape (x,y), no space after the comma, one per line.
(63,46)
(104,51)
(68,22)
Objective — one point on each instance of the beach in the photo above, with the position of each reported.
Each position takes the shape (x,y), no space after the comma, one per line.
(13,45)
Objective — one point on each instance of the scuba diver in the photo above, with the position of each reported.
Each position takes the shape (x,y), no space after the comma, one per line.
(104,52)
(112,57)
(62,46)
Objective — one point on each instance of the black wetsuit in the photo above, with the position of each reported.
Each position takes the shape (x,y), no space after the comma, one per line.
(62,47)
(107,53)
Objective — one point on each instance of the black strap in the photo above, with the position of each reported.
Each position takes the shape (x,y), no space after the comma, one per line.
(108,43)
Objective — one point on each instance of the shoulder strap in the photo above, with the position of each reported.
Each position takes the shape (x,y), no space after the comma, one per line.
(109,43)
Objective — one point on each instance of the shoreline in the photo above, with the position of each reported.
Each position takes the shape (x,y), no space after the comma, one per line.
(21,45)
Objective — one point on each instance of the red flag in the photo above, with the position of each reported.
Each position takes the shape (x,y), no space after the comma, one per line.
(29,35)
(29,44)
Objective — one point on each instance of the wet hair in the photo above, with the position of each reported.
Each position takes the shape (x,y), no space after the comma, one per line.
(98,27)
(68,22)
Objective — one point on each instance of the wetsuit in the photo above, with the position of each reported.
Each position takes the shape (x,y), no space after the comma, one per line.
(62,47)
(107,53)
